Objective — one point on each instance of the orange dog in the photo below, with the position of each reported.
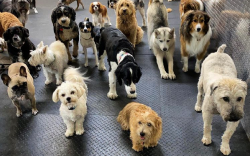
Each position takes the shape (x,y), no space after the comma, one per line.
(187,5)
(8,20)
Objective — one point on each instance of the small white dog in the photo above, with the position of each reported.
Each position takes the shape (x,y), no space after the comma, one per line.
(54,59)
(224,95)
(73,96)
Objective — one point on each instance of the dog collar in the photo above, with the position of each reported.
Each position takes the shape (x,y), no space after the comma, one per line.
(63,27)
(123,55)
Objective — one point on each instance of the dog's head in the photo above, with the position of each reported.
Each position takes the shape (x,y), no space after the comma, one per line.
(16,35)
(186,6)
(112,4)
(125,8)
(164,38)
(86,26)
(22,6)
(17,84)
(229,97)
(39,56)
(64,15)
(97,7)
(68,93)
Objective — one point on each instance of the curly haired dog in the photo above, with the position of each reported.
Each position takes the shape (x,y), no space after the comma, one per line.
(145,125)
(126,21)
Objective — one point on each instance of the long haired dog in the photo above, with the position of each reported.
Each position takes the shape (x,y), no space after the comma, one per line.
(68,2)
(65,28)
(186,5)
(99,14)
(120,53)
(195,34)
(54,59)
(144,124)
(224,95)
(73,96)
(87,39)
(126,21)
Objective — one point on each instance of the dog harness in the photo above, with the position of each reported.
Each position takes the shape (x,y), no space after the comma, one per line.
(123,55)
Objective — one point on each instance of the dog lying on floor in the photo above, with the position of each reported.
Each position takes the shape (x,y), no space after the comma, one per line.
(120,56)
(224,95)
(144,124)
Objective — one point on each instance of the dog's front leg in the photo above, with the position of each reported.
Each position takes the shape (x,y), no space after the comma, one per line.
(70,127)
(18,108)
(112,84)
(101,62)
(231,127)
(199,95)
(95,52)
(142,12)
(59,76)
(79,126)
(48,76)
(86,57)
(207,119)
(33,104)
(170,60)
(75,48)
(159,59)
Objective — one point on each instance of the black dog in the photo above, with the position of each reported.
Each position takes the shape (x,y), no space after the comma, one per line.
(121,60)
(65,28)
(19,8)
(19,47)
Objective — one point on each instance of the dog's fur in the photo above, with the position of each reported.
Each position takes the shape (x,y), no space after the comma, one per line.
(33,5)
(8,20)
(65,27)
(186,5)
(20,86)
(97,35)
(120,53)
(195,34)
(73,96)
(87,39)
(144,124)
(126,21)
(68,2)
(3,44)
(54,59)
(99,14)
(224,95)
(151,1)
(19,8)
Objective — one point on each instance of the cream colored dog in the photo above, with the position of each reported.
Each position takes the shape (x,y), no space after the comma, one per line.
(145,125)
(224,95)
(73,96)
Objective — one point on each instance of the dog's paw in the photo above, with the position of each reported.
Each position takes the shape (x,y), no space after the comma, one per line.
(35,11)
(225,150)
(97,64)
(34,111)
(197,108)
(80,131)
(18,114)
(47,82)
(58,82)
(137,148)
(132,96)
(164,76)
(69,133)
(75,55)
(112,95)
(206,141)
(171,76)
(86,65)
(197,69)
(185,69)
(102,68)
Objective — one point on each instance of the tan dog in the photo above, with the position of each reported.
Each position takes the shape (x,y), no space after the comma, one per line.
(168,9)
(126,21)
(145,125)
(8,20)
(20,86)
(68,2)
(224,95)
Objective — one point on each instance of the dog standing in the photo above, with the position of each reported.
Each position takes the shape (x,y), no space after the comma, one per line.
(87,39)
(186,5)
(99,14)
(224,95)
(73,96)
(126,21)
(144,124)
(54,59)
(20,86)
(33,5)
(68,2)
(65,28)
(195,34)
(120,53)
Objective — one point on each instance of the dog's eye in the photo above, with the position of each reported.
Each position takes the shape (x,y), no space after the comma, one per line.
(66,13)
(168,40)
(226,99)
(202,21)
(122,5)
(239,99)
(72,92)
(63,95)
(25,84)
(127,5)
(139,122)
(195,20)
(149,124)
(161,40)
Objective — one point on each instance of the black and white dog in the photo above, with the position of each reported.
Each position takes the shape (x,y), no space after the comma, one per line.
(19,8)
(120,53)
(19,47)
(65,28)
(33,5)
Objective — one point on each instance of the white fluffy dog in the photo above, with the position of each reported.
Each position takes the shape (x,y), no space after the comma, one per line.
(224,95)
(54,59)
(73,96)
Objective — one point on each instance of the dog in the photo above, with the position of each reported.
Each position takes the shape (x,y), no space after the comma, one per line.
(224,95)
(3,44)
(19,8)
(33,5)
(144,124)
(73,96)
(195,34)
(126,21)
(120,56)
(54,59)
(65,28)
(99,14)
(97,35)
(87,39)
(187,5)
(168,9)
(20,86)
(68,2)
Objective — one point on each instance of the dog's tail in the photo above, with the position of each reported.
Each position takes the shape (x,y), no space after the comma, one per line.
(221,48)
(139,35)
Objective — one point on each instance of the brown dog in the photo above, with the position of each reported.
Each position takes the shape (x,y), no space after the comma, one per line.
(8,20)
(20,86)
(68,2)
(145,125)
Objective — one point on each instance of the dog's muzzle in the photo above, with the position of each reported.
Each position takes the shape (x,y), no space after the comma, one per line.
(16,38)
(234,117)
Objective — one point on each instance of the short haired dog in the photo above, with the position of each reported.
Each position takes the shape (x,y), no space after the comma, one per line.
(65,28)
(20,86)
(68,2)
(144,124)
(224,95)
(99,14)
(73,96)
(120,56)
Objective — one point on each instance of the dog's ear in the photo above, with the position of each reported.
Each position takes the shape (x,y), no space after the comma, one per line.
(6,35)
(80,90)
(158,122)
(26,32)
(23,71)
(55,96)
(185,28)
(6,79)
(45,48)
(40,45)
(53,16)
(207,18)
(91,10)
(118,74)
(86,19)
(80,24)
(157,33)
(138,74)
(73,14)
(213,87)
(171,33)
(243,84)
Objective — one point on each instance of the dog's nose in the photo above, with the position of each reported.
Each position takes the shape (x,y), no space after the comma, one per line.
(85,30)
(15,38)
(165,49)
(198,29)
(68,99)
(124,10)
(63,21)
(132,92)
(142,134)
